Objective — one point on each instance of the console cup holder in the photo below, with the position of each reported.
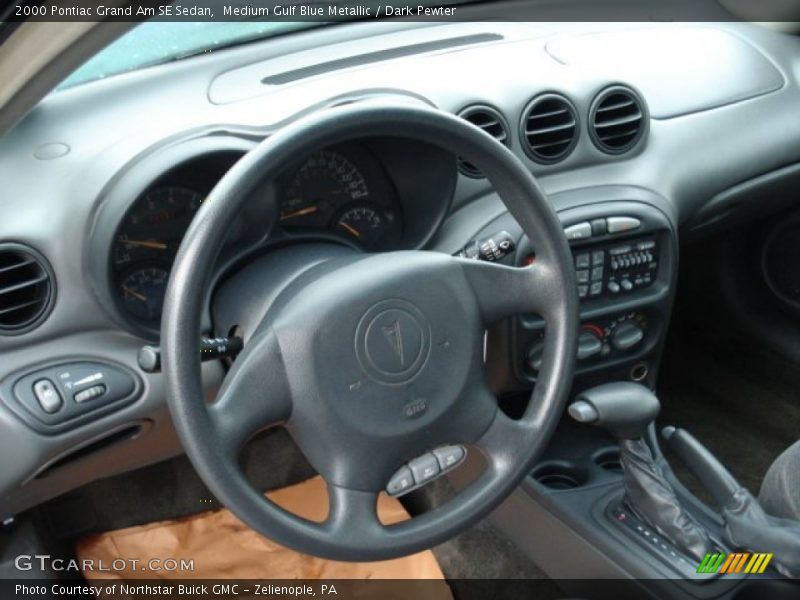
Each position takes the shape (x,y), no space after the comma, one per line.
(608,460)
(560,475)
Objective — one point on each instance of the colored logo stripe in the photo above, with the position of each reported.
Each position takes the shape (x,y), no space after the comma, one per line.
(734,563)
(758,563)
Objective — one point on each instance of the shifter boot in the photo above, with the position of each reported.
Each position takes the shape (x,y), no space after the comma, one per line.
(650,496)
(625,410)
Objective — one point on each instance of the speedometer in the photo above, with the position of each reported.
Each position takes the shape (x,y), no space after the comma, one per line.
(343,191)
(321,186)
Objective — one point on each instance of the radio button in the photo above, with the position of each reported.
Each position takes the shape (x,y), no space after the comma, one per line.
(622,224)
(579,231)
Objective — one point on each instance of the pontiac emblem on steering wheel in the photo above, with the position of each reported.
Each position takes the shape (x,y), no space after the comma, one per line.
(394,336)
(393,341)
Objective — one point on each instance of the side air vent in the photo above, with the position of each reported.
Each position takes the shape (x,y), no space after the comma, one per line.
(549,128)
(618,120)
(493,123)
(26,288)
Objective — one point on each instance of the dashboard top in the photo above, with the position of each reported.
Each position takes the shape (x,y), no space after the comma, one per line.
(707,129)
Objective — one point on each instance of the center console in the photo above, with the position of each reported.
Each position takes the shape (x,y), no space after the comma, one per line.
(625,258)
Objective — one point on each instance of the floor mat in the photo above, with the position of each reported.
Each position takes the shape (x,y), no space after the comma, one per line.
(222,547)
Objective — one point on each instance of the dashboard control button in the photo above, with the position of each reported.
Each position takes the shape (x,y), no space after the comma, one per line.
(424,468)
(626,335)
(613,287)
(646,245)
(626,285)
(588,345)
(622,224)
(47,396)
(582,261)
(596,288)
(89,393)
(597,274)
(583,275)
(598,258)
(583,290)
(579,231)
(599,226)
(401,482)
(449,456)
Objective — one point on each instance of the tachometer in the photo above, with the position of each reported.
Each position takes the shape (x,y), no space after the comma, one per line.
(149,235)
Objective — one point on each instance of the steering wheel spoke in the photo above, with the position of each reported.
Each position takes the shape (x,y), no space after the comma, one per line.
(254,395)
(498,439)
(502,291)
(353,513)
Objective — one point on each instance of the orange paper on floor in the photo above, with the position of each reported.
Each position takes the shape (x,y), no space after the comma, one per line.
(222,547)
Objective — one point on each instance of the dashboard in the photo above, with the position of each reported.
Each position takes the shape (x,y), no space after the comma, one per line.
(618,123)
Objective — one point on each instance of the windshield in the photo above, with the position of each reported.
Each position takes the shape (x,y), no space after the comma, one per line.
(155,43)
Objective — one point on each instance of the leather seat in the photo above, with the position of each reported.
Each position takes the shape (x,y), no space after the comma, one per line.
(780,490)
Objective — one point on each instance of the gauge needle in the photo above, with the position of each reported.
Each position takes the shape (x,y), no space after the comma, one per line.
(299,213)
(144,244)
(350,228)
(134,293)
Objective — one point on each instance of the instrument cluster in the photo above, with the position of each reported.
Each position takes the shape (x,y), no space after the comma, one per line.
(340,193)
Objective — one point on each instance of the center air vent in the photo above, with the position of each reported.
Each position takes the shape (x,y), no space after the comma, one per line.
(549,128)
(492,122)
(618,120)
(26,288)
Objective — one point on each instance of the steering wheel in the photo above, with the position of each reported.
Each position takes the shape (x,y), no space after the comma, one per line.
(376,358)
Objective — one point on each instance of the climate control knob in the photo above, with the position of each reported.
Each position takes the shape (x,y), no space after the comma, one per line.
(626,335)
(589,344)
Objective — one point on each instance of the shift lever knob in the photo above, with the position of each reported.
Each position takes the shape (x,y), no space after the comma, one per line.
(624,409)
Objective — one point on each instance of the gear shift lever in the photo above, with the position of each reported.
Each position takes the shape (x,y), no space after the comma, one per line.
(626,410)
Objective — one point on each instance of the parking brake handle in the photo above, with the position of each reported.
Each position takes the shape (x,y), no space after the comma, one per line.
(747,525)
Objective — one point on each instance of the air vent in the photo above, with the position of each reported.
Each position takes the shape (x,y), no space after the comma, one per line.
(493,123)
(26,288)
(618,120)
(549,128)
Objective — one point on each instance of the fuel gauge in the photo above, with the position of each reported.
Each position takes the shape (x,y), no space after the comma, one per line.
(142,292)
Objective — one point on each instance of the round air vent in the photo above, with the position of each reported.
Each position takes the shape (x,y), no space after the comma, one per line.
(493,123)
(618,120)
(26,288)
(549,128)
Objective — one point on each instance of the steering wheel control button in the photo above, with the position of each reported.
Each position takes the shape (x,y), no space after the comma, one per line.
(401,482)
(449,456)
(579,231)
(47,396)
(424,468)
(393,341)
(622,224)
(90,393)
